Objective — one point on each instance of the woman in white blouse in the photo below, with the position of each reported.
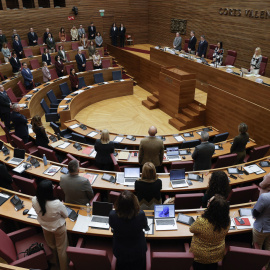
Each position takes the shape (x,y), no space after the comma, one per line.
(51,214)
(6,52)
(74,33)
(256,60)
(97,60)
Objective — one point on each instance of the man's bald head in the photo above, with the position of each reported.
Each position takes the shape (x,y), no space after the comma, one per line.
(152,131)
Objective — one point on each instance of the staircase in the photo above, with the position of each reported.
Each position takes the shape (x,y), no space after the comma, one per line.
(191,116)
(151,102)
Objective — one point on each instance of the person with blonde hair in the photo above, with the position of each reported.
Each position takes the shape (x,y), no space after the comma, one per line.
(148,187)
(38,128)
(256,60)
(104,147)
(74,33)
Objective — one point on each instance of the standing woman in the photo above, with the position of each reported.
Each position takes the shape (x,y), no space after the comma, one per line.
(41,136)
(114,34)
(256,60)
(59,66)
(62,35)
(208,241)
(46,72)
(122,34)
(97,60)
(91,49)
(6,52)
(84,41)
(104,147)
(51,214)
(127,222)
(74,80)
(240,142)
(98,40)
(148,187)
(218,54)
(74,33)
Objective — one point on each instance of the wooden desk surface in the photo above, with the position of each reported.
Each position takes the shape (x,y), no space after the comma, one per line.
(8,211)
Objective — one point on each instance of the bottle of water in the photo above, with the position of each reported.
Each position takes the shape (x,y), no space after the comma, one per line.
(88,209)
(45,160)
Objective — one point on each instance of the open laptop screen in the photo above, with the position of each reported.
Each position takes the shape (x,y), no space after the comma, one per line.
(164,211)
(102,208)
(177,174)
(131,172)
(19,153)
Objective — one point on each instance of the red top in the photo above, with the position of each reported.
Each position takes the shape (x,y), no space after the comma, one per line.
(74,80)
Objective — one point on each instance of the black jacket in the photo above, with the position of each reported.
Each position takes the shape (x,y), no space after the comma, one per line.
(6,179)
(41,137)
(20,124)
(17,46)
(202,48)
(123,32)
(114,33)
(16,65)
(32,38)
(103,152)
(4,103)
(90,32)
(44,59)
(192,43)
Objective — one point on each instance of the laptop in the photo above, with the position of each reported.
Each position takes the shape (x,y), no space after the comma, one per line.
(172,152)
(131,175)
(18,157)
(165,217)
(100,215)
(177,178)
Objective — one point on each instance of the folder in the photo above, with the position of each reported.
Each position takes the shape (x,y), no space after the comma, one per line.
(124,155)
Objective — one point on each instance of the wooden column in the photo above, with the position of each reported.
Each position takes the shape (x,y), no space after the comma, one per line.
(4,4)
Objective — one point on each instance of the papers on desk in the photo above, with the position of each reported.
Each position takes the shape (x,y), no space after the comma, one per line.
(91,177)
(64,145)
(63,106)
(249,220)
(93,154)
(74,126)
(150,222)
(229,66)
(81,224)
(181,55)
(67,98)
(28,95)
(249,75)
(30,130)
(120,178)
(229,70)
(124,155)
(32,213)
(221,66)
(22,105)
(52,170)
(118,139)
(3,198)
(254,169)
(57,143)
(199,132)
(79,91)
(88,150)
(92,134)
(20,169)
(122,80)
(179,138)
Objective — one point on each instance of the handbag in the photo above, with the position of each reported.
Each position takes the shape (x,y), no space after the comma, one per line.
(34,248)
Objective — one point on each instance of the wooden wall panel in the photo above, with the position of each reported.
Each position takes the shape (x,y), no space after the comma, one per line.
(242,34)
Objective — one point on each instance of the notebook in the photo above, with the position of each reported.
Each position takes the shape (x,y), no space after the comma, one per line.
(165,217)
(177,178)
(18,157)
(131,175)
(100,215)
(123,155)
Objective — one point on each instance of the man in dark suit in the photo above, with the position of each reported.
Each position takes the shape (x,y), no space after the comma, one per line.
(151,148)
(122,34)
(46,57)
(114,34)
(81,61)
(45,35)
(15,63)
(202,47)
(20,123)
(50,43)
(3,39)
(203,153)
(15,34)
(32,37)
(17,46)
(192,43)
(91,31)
(5,105)
(28,77)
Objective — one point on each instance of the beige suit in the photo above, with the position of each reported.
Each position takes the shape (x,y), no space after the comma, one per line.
(46,74)
(151,150)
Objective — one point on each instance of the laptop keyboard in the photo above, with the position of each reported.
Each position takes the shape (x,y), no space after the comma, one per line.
(165,221)
(17,160)
(100,219)
(130,180)
(173,157)
(179,182)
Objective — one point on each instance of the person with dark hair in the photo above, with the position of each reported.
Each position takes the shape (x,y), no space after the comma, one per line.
(62,35)
(38,128)
(77,189)
(218,184)
(50,43)
(45,35)
(62,53)
(81,61)
(17,46)
(15,63)
(28,77)
(46,57)
(6,178)
(83,41)
(202,47)
(98,40)
(114,34)
(91,31)
(15,34)
(5,105)
(81,31)
(127,222)
(148,187)
(74,80)
(218,54)
(208,241)
(91,49)
(122,34)
(59,66)
(240,142)
(52,214)
(6,52)
(192,43)
(32,37)
(3,39)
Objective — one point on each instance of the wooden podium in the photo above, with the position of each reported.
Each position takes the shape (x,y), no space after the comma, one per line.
(176,89)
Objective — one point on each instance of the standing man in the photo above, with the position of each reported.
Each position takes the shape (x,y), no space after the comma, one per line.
(77,189)
(81,31)
(3,39)
(5,105)
(91,31)
(202,47)
(81,61)
(45,35)
(28,77)
(203,153)
(177,43)
(32,37)
(192,43)
(15,34)
(20,123)
(17,46)
(114,34)
(122,34)
(15,63)
(151,148)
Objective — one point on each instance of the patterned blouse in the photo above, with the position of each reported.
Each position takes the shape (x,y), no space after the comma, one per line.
(207,245)
(218,54)
(256,61)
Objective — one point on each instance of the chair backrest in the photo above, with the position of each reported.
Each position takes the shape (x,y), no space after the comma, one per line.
(225,161)
(9,139)
(78,137)
(60,194)
(83,257)
(190,144)
(34,64)
(231,57)
(115,163)
(7,249)
(171,260)
(53,73)
(53,61)
(84,53)
(211,51)
(74,46)
(89,65)
(100,52)
(68,68)
(64,89)
(50,154)
(51,96)
(258,152)
(117,75)
(68,38)
(27,186)
(245,258)
(24,43)
(40,41)
(186,45)
(22,88)
(81,82)
(106,63)
(55,128)
(68,57)
(263,65)
(188,201)
(187,165)
(42,49)
(18,142)
(11,95)
(243,194)
(220,137)
(113,196)
(44,106)
(98,77)
(28,52)
(70,157)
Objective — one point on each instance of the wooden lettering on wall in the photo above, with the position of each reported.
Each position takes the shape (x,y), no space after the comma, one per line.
(178,25)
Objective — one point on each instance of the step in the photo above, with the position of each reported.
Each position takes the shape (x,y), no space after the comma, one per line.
(156,94)
(183,118)
(177,124)
(153,99)
(190,113)
(148,104)
(196,107)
